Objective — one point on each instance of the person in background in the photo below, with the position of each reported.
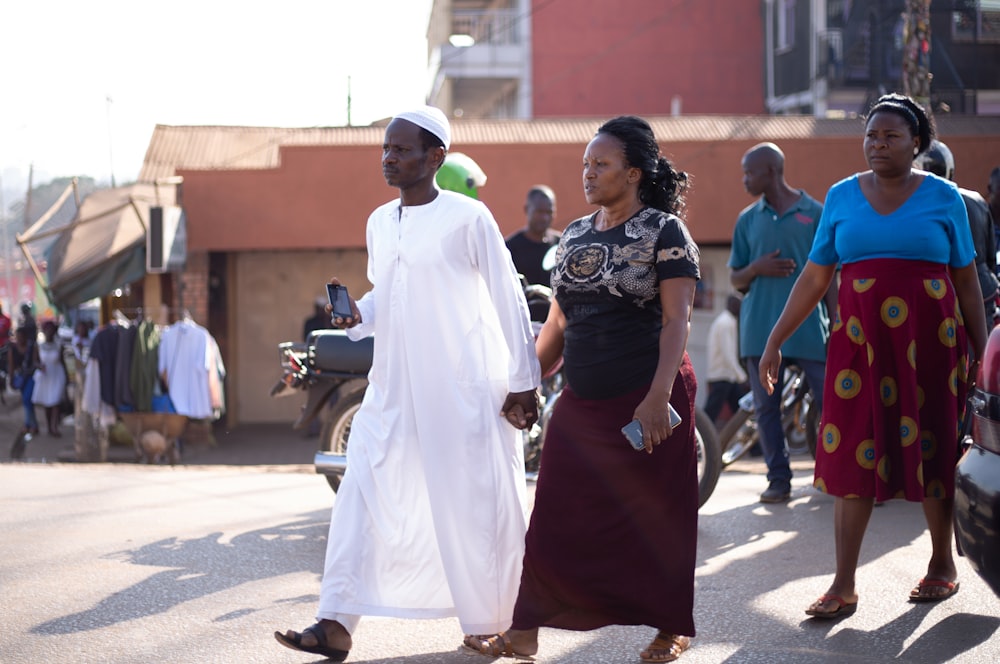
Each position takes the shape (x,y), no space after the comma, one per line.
(28,321)
(430,516)
(81,341)
(727,380)
(939,160)
(910,332)
(5,328)
(5,338)
(993,198)
(22,360)
(50,377)
(529,245)
(320,320)
(771,241)
(613,532)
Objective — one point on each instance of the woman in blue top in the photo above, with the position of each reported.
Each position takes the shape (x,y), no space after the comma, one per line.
(909,313)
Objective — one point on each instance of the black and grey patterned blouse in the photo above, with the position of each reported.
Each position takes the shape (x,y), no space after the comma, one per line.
(607,285)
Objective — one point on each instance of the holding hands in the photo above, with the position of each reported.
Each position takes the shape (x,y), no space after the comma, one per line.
(520,409)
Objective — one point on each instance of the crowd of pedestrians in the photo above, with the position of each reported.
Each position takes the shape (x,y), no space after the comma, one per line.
(432,522)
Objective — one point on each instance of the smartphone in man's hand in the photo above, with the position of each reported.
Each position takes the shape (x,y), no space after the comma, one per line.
(339,300)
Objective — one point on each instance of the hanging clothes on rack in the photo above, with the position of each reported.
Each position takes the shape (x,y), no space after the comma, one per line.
(216,378)
(185,360)
(143,374)
(104,349)
(91,402)
(124,399)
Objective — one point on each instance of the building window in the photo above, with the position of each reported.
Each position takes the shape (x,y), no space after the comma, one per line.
(976,20)
(786,25)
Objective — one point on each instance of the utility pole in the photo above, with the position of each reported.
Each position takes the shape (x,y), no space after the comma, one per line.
(917,52)
(111,161)
(348,101)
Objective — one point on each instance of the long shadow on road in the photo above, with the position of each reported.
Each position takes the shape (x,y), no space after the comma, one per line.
(760,566)
(203,566)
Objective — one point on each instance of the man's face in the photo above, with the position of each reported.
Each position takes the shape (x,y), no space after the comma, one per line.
(405,162)
(994,192)
(756,174)
(540,210)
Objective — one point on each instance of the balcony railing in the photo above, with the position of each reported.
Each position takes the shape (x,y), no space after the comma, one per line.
(498,26)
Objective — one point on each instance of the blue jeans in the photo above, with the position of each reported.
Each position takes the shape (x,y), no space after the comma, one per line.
(30,421)
(768,415)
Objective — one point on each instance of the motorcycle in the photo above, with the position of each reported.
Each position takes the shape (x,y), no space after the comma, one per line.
(333,370)
(799,419)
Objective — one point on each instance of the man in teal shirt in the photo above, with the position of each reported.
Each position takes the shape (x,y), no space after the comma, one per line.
(771,243)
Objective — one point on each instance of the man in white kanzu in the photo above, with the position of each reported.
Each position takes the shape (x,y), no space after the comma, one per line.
(430,518)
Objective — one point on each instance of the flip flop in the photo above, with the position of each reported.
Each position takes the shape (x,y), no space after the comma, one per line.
(844,608)
(321,647)
(917,594)
(497,645)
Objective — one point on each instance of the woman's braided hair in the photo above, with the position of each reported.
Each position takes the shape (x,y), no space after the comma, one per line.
(661,185)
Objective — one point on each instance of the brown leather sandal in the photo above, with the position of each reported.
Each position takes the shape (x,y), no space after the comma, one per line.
(497,645)
(665,648)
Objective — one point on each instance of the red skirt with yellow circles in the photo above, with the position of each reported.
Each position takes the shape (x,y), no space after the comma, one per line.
(896,382)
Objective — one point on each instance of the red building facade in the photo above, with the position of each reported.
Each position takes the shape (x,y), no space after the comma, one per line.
(647,57)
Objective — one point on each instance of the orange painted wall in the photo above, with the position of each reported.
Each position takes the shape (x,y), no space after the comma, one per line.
(320,197)
(594,57)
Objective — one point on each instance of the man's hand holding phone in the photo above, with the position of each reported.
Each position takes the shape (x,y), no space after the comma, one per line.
(343,312)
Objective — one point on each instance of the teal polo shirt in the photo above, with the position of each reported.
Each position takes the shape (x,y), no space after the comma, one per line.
(759,230)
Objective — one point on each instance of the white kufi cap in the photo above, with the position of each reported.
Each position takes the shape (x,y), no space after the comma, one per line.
(430,118)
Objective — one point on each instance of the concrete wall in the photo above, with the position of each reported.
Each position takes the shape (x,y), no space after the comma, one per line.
(274,294)
(320,197)
(288,230)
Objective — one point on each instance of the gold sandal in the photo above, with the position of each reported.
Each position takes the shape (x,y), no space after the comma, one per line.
(498,645)
(667,648)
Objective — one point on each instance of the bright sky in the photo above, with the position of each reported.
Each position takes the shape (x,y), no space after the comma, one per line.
(198,62)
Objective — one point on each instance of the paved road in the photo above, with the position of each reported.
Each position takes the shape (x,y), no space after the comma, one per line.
(120,563)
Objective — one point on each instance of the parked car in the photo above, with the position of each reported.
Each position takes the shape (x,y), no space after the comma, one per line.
(977,481)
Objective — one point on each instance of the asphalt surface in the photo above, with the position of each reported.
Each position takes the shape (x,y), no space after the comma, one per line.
(123,563)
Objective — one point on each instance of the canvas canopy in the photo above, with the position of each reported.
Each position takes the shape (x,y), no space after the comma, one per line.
(102,248)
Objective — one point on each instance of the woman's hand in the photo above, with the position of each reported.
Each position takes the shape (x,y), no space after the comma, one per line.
(770,364)
(653,414)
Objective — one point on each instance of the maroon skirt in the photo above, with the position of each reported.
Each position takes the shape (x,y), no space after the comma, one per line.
(896,380)
(613,533)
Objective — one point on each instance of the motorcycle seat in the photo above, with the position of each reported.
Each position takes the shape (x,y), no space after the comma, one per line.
(333,351)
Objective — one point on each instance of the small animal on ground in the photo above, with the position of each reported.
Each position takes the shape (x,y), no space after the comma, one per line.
(154,447)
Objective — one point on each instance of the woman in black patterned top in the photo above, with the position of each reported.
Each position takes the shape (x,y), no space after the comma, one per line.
(613,531)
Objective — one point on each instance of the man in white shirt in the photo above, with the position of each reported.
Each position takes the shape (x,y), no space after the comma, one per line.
(430,518)
(727,380)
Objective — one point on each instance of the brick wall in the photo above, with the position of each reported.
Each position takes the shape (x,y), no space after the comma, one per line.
(191,288)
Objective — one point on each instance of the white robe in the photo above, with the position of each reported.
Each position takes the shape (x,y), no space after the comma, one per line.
(429,520)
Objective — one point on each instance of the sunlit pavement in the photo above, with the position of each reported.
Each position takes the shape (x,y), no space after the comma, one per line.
(119,562)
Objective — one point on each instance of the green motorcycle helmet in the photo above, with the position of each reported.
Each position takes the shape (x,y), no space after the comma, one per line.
(460,173)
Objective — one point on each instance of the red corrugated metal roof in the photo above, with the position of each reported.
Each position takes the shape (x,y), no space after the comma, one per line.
(223,148)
